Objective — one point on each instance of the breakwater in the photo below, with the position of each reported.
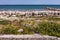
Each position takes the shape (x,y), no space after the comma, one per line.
(30,13)
(27,37)
(8,15)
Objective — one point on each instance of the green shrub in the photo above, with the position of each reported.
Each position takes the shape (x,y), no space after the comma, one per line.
(4,22)
(9,30)
(45,28)
(49,28)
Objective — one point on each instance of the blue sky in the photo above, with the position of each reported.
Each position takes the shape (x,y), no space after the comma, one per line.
(29,2)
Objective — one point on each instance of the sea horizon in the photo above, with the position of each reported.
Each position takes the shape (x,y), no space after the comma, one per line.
(27,7)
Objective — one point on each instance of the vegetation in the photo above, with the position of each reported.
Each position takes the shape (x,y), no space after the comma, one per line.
(4,22)
(49,28)
(30,27)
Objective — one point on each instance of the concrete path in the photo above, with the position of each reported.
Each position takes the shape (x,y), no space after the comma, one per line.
(27,37)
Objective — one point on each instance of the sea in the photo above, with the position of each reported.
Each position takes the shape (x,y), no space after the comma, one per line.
(27,7)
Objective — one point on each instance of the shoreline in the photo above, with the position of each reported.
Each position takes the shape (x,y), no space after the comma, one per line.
(21,14)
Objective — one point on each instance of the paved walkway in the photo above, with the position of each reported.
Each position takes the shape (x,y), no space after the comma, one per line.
(27,37)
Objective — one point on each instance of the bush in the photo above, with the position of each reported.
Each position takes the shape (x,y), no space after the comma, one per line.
(49,28)
(4,22)
(9,30)
(45,28)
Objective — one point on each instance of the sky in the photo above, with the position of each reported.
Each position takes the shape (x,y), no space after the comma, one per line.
(7,2)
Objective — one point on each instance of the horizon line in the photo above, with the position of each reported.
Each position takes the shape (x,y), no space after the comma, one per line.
(29,4)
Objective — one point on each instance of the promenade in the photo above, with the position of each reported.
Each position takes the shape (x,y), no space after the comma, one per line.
(27,37)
